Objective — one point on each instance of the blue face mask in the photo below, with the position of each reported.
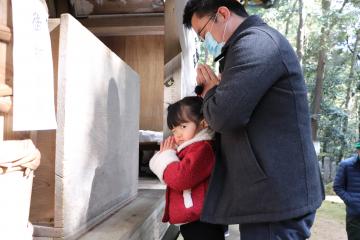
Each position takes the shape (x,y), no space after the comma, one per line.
(213,47)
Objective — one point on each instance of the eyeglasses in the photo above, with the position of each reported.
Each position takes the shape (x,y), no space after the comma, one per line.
(199,32)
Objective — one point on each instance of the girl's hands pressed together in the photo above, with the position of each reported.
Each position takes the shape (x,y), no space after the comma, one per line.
(169,143)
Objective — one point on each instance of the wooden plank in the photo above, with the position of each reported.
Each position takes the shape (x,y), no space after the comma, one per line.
(127,30)
(124,20)
(54,27)
(94,7)
(97,139)
(145,54)
(59,189)
(4,9)
(5,64)
(5,13)
(173,66)
(125,25)
(43,195)
(172,44)
(4,24)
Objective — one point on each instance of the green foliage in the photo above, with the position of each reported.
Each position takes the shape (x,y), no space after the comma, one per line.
(342,26)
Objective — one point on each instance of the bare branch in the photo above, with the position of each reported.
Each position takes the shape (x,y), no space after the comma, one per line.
(351,50)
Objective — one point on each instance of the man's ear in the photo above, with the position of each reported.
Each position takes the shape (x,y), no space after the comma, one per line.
(223,14)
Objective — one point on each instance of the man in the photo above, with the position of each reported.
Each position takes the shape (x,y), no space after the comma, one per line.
(266,176)
(347,187)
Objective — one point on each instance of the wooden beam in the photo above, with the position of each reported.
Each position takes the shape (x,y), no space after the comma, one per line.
(127,31)
(124,20)
(5,34)
(172,43)
(173,65)
(125,25)
(95,7)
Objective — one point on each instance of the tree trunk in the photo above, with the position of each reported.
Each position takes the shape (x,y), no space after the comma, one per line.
(300,33)
(349,88)
(289,18)
(350,80)
(318,85)
(320,70)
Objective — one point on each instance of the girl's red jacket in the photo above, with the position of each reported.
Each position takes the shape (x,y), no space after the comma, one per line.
(186,173)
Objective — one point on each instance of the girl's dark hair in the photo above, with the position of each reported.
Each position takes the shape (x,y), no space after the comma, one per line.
(188,109)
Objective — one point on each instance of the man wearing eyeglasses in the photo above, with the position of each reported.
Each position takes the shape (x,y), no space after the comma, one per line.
(266,177)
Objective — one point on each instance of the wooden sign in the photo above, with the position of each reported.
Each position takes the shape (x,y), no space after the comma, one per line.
(33,79)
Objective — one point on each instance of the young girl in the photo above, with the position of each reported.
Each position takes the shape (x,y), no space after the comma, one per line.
(185,162)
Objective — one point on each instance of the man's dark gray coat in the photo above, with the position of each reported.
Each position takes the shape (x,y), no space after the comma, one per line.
(266,168)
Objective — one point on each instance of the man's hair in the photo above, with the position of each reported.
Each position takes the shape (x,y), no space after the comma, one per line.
(188,109)
(209,7)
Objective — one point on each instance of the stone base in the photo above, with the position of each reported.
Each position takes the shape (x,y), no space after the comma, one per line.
(140,220)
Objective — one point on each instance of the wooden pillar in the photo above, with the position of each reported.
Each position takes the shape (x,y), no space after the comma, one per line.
(6,69)
(5,36)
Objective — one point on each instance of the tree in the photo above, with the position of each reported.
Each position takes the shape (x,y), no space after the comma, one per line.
(324,44)
(300,32)
(349,91)
(320,72)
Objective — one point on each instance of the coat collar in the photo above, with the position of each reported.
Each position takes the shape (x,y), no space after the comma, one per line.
(250,21)
(203,135)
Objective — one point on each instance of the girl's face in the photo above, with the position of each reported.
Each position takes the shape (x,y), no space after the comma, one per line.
(184,132)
